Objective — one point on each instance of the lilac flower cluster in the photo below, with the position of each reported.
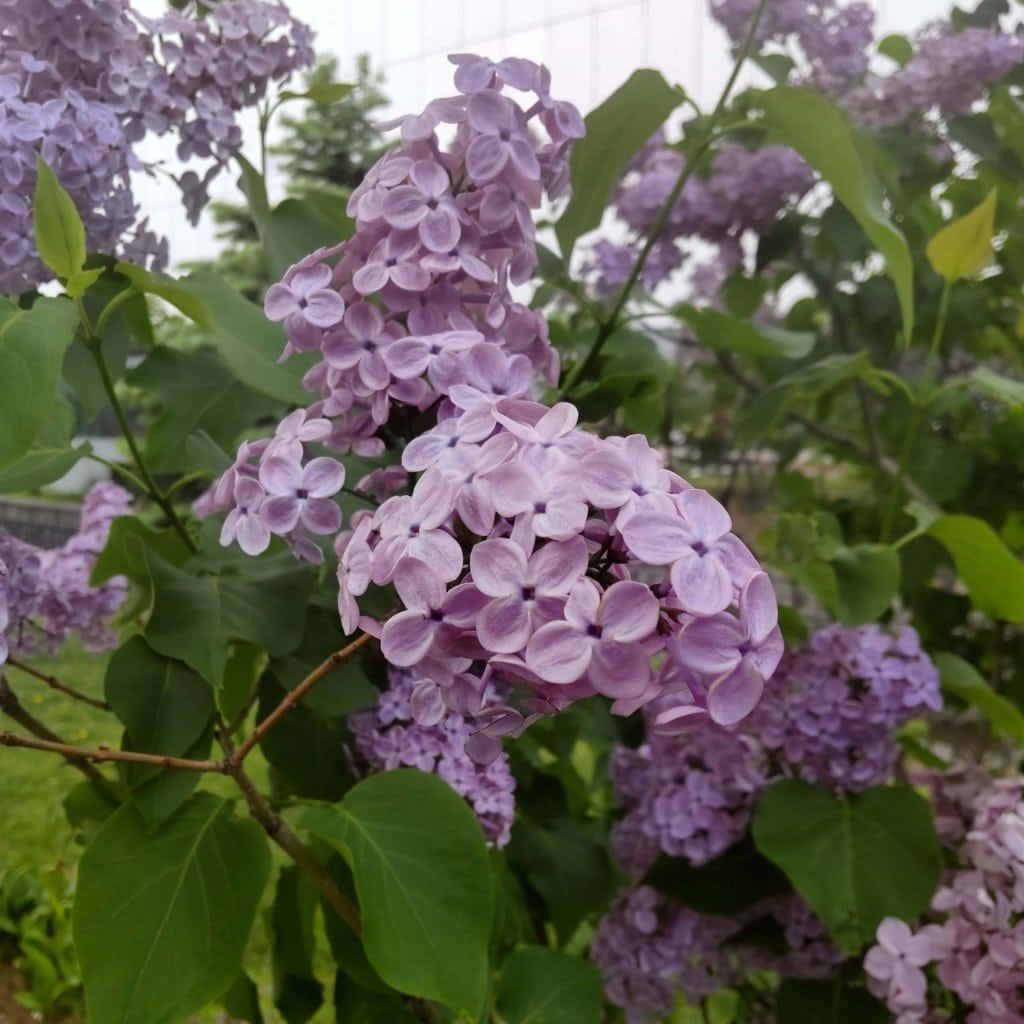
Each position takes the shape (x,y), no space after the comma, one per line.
(838,701)
(746,191)
(948,74)
(83,81)
(650,948)
(532,552)
(689,795)
(974,942)
(831,41)
(45,594)
(389,736)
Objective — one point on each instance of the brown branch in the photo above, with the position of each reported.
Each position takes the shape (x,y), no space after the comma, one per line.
(97,755)
(292,699)
(54,683)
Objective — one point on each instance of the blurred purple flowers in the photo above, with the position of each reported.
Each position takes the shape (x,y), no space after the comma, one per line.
(84,81)
(45,594)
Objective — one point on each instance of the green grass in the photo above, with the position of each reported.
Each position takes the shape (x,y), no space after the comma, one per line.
(35,830)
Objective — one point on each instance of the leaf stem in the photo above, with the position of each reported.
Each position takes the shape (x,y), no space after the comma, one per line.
(93,344)
(704,140)
(99,755)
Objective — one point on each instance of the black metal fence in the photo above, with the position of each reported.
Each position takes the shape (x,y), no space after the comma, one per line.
(46,524)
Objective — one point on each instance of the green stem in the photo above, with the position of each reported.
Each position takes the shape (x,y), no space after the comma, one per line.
(116,467)
(149,485)
(706,137)
(111,308)
(916,421)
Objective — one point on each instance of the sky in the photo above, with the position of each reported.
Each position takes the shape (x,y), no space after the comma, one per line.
(590,46)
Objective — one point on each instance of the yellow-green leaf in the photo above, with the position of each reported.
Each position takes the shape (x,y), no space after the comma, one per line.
(60,235)
(964,246)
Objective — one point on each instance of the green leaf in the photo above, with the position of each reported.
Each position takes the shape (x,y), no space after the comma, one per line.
(810,124)
(867,577)
(167,288)
(727,333)
(254,188)
(295,227)
(731,882)
(82,281)
(564,862)
(897,48)
(166,708)
(40,466)
(993,575)
(247,342)
(196,618)
(196,392)
(854,859)
(354,1004)
(826,1002)
(963,680)
(423,880)
(322,92)
(297,993)
(963,247)
(32,346)
(124,553)
(307,749)
(999,387)
(242,1000)
(60,235)
(615,131)
(546,986)
(206,454)
(244,667)
(184,895)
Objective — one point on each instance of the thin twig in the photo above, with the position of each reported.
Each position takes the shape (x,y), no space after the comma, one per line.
(54,683)
(98,755)
(293,697)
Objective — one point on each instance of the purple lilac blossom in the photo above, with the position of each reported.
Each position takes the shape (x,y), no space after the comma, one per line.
(45,594)
(947,74)
(973,939)
(82,82)
(837,701)
(650,949)
(745,191)
(388,736)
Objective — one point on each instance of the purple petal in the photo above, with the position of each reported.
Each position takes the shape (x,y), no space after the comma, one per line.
(325,309)
(408,358)
(320,516)
(619,671)
(657,537)
(367,279)
(486,158)
(606,478)
(323,477)
(629,612)
(758,607)
(513,486)
(498,568)
(701,583)
(281,514)
(710,646)
(504,626)
(418,585)
(735,695)
(441,550)
(707,516)
(280,302)
(430,178)
(558,653)
(439,231)
(557,566)
(406,638)
(281,475)
(252,534)
(403,207)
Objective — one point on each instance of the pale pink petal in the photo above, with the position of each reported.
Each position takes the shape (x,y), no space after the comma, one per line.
(619,670)
(513,486)
(629,612)
(759,609)
(281,513)
(707,516)
(323,477)
(418,585)
(607,479)
(320,516)
(408,358)
(701,584)
(440,550)
(558,565)
(656,537)
(710,646)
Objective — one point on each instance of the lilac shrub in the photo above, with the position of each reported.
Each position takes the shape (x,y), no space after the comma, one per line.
(388,736)
(973,940)
(45,594)
(82,82)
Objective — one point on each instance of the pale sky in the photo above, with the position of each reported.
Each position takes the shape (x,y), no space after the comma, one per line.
(590,46)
